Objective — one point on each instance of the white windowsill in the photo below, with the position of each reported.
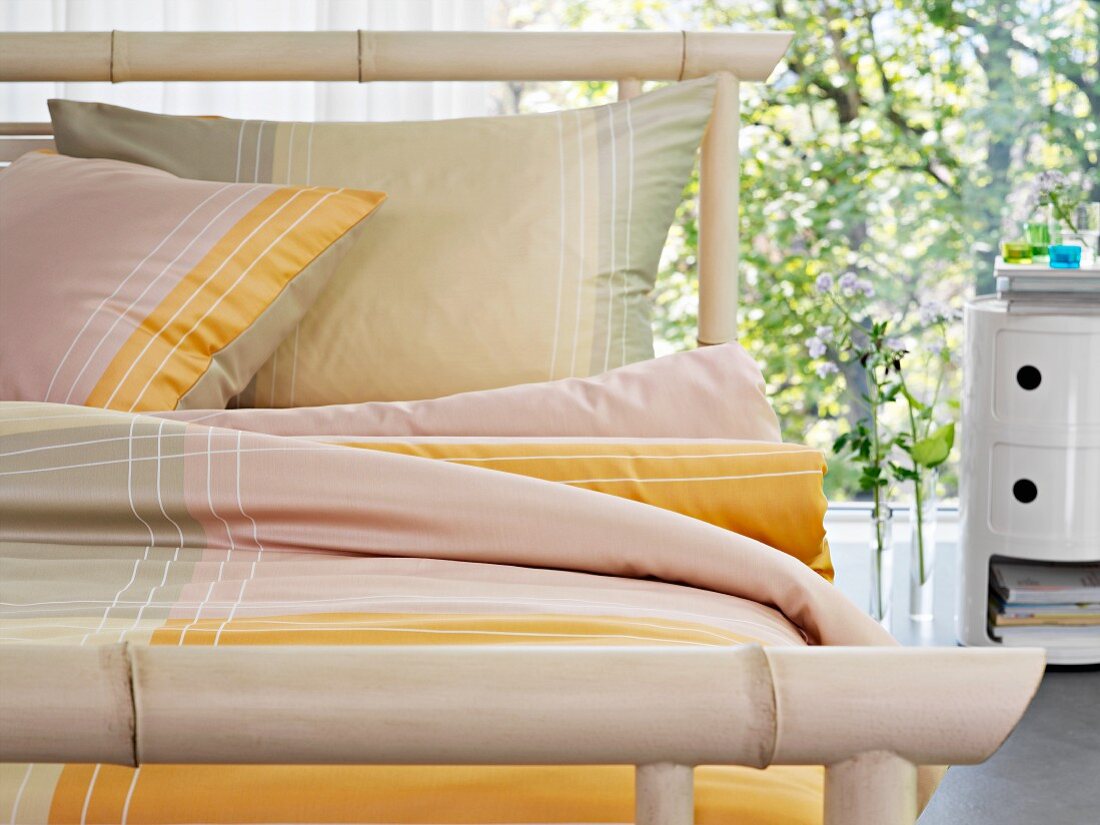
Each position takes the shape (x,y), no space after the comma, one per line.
(850,521)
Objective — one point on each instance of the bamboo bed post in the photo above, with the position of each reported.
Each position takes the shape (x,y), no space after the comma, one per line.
(629,88)
(719,222)
(875,788)
(664,794)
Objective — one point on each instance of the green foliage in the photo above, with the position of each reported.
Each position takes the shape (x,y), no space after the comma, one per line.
(933,450)
(885,144)
(858,340)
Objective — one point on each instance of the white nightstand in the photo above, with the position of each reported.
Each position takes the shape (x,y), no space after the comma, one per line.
(1030,482)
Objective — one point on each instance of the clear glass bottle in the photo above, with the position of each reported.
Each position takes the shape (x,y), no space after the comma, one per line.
(1087,221)
(922,547)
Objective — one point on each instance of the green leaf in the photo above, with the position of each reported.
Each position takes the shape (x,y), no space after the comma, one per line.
(902,473)
(913,401)
(934,450)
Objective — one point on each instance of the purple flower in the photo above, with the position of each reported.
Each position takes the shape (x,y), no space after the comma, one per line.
(936,347)
(815,346)
(932,313)
(825,333)
(827,368)
(848,283)
(1051,181)
(864,286)
(824,283)
(895,343)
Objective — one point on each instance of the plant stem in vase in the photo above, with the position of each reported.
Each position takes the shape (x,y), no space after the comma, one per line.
(882,563)
(922,547)
(855,337)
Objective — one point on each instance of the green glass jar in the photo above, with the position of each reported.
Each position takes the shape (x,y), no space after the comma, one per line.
(1038,235)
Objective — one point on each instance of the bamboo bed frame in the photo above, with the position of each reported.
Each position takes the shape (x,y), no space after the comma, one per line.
(870,715)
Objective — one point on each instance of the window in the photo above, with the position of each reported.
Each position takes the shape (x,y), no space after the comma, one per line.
(886,144)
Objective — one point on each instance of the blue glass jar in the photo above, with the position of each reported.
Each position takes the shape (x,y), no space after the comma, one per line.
(1064,256)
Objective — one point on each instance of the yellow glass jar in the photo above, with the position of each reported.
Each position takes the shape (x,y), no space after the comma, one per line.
(1016,252)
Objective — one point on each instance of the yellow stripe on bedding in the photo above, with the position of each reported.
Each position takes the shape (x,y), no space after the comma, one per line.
(436,629)
(769,492)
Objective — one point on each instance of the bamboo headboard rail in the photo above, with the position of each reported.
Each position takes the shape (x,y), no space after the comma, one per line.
(362,56)
(366,56)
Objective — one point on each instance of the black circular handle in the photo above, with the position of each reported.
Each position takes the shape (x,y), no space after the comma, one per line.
(1025,491)
(1029,377)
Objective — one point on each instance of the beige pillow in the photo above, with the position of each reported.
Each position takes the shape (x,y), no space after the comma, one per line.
(512,249)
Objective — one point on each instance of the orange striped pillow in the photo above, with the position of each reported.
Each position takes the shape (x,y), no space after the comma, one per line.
(767,491)
(125,287)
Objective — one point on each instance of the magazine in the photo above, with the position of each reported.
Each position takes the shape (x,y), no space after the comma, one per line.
(1036,603)
(1038,583)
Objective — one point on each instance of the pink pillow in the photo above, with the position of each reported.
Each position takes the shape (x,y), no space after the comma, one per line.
(713,392)
(125,287)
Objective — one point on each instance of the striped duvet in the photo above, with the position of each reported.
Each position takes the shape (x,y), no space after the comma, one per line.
(123,527)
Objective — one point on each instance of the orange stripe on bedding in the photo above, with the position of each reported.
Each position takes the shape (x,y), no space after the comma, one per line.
(92,794)
(768,492)
(418,795)
(240,277)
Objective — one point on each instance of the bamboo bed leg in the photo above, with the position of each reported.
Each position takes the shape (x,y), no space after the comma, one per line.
(875,788)
(664,794)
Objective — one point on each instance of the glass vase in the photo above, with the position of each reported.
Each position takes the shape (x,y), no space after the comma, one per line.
(882,564)
(1087,221)
(1076,226)
(922,547)
(1056,223)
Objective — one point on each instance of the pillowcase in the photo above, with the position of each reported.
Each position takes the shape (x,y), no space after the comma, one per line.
(129,288)
(513,249)
(766,491)
(712,392)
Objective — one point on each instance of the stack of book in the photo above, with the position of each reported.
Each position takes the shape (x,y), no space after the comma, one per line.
(1035,603)
(1040,283)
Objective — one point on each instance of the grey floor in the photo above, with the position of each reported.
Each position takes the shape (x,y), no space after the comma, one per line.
(1048,772)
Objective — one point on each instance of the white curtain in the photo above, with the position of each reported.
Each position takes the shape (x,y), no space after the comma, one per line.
(271,101)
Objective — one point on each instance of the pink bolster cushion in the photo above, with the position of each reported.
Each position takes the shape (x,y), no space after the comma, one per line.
(712,392)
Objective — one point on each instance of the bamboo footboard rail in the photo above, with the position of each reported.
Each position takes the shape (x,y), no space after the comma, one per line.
(870,715)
